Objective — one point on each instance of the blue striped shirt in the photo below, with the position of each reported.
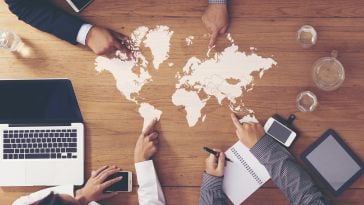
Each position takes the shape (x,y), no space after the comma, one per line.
(217,1)
(284,170)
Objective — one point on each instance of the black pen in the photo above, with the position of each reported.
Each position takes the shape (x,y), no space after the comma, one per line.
(215,153)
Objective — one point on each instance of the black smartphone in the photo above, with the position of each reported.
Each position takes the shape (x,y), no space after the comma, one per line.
(124,185)
(78,5)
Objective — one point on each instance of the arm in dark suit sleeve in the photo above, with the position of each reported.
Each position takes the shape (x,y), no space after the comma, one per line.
(46,17)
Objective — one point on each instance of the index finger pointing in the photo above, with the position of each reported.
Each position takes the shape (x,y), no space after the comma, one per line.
(150,127)
(213,38)
(235,121)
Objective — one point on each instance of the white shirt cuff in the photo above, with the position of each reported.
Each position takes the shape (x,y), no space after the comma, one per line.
(145,173)
(150,191)
(82,33)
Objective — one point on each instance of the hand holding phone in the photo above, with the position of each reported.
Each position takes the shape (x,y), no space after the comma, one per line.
(97,183)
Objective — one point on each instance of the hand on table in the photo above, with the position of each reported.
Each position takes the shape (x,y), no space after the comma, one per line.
(215,166)
(248,133)
(103,41)
(147,144)
(216,20)
(96,184)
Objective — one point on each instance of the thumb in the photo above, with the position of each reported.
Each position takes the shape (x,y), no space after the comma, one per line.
(214,35)
(108,195)
(221,163)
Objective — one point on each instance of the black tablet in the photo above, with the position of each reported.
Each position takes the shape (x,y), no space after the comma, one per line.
(334,163)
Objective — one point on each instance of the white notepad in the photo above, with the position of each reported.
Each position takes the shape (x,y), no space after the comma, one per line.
(244,176)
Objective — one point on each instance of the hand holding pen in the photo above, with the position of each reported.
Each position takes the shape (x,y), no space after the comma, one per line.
(216,153)
(215,165)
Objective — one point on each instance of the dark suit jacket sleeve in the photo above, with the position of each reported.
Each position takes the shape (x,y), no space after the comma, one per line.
(44,16)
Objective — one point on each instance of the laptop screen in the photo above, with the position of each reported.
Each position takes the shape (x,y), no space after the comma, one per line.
(38,101)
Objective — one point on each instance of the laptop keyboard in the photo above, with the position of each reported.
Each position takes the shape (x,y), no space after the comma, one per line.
(39,144)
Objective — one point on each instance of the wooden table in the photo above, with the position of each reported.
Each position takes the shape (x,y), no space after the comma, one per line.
(113,123)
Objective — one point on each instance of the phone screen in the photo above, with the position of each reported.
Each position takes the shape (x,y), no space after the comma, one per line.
(80,4)
(279,131)
(121,185)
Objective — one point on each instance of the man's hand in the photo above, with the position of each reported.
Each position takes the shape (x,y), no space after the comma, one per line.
(248,133)
(216,20)
(214,166)
(147,144)
(95,186)
(103,41)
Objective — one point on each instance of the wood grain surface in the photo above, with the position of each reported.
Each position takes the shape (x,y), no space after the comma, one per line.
(113,123)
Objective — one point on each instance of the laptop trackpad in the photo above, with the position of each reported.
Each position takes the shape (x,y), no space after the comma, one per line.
(41,173)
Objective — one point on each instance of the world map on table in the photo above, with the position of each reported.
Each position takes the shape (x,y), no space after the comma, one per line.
(225,75)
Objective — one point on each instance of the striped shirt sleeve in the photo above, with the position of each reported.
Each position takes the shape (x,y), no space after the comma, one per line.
(211,190)
(217,1)
(287,174)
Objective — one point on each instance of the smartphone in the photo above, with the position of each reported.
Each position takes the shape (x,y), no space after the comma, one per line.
(280,132)
(125,185)
(78,5)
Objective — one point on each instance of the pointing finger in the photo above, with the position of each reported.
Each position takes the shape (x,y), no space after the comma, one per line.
(235,121)
(214,35)
(150,127)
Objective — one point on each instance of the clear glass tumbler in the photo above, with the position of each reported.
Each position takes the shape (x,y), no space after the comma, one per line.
(307,36)
(306,101)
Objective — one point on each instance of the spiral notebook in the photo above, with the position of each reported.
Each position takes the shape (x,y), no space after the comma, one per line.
(244,175)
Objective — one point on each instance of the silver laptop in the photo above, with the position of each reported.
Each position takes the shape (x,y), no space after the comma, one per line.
(41,133)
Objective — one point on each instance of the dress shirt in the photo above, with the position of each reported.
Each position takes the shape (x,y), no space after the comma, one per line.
(150,191)
(82,33)
(284,170)
(217,1)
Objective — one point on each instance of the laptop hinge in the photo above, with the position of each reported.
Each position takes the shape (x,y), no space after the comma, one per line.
(39,124)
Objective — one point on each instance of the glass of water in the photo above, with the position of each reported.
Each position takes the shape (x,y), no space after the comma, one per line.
(307,36)
(328,73)
(306,101)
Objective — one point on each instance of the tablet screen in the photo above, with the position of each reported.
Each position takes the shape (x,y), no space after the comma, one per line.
(332,161)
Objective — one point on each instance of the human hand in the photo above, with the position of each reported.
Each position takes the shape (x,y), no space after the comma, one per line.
(104,41)
(214,166)
(248,133)
(95,186)
(147,144)
(216,20)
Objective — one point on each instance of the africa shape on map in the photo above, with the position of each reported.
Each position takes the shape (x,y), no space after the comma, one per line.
(226,75)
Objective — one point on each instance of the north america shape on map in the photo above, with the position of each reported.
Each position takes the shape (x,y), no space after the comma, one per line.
(226,75)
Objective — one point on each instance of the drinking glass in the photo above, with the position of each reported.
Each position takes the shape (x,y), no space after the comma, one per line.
(307,36)
(306,101)
(328,73)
